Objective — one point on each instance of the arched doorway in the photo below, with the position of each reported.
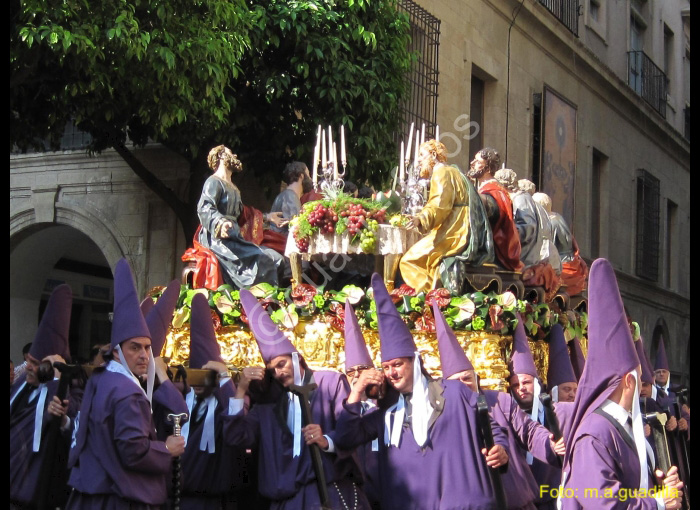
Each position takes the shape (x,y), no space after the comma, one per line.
(44,255)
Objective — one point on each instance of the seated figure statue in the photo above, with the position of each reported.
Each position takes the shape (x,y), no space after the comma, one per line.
(498,207)
(446,219)
(574,272)
(242,263)
(538,253)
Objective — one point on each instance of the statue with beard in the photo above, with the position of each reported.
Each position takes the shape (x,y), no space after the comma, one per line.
(288,203)
(499,208)
(243,263)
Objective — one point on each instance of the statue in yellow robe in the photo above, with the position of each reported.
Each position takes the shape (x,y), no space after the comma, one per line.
(444,219)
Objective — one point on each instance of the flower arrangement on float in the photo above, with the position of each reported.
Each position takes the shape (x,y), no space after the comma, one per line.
(476,311)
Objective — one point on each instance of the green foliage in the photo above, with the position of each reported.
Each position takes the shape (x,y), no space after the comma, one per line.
(322,62)
(136,67)
(192,73)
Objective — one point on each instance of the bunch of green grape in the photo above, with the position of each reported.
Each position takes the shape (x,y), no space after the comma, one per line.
(368,236)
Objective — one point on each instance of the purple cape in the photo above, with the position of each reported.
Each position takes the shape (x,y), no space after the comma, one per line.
(438,475)
(290,481)
(116,452)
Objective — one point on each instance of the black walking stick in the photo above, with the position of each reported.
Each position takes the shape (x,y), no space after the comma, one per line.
(304,394)
(177,466)
(550,416)
(487,434)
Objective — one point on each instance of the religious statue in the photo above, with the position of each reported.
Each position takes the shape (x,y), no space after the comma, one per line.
(574,271)
(446,219)
(243,263)
(498,207)
(538,253)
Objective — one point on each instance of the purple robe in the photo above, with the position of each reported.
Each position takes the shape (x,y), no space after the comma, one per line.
(25,464)
(368,460)
(601,460)
(450,472)
(166,400)
(290,481)
(524,434)
(116,457)
(548,473)
(207,477)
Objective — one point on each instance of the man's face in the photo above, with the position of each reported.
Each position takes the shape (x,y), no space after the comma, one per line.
(646,390)
(137,353)
(523,388)
(229,160)
(425,163)
(203,391)
(567,391)
(399,373)
(373,390)
(32,368)
(661,376)
(467,377)
(306,183)
(478,167)
(282,369)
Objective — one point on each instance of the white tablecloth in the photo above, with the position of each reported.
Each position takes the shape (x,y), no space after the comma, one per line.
(390,241)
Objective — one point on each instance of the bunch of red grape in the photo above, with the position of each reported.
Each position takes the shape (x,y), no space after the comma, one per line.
(302,243)
(355,215)
(379,215)
(324,218)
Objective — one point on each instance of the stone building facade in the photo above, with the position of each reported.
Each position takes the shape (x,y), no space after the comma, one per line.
(623,67)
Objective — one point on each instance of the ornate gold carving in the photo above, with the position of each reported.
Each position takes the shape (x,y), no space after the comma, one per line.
(323,348)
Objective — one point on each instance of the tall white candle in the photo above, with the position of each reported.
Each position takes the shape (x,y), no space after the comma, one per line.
(330,145)
(422,134)
(402,165)
(437,132)
(317,150)
(335,161)
(342,146)
(415,156)
(408,145)
(324,159)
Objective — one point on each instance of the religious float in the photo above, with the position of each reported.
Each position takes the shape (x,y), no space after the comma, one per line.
(313,319)
(337,228)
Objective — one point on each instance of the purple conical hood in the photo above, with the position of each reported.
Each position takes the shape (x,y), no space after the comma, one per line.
(578,360)
(661,362)
(611,352)
(560,369)
(521,361)
(271,341)
(356,352)
(146,305)
(394,336)
(452,356)
(647,372)
(127,322)
(203,344)
(52,335)
(161,315)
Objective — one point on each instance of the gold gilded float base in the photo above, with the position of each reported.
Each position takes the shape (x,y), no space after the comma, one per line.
(323,349)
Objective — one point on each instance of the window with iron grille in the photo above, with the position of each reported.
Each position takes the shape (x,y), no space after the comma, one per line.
(648,199)
(420,105)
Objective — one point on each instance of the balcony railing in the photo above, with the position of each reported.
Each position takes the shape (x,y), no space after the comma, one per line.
(566,11)
(648,80)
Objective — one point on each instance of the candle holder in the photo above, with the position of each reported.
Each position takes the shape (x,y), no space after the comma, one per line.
(412,192)
(331,185)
